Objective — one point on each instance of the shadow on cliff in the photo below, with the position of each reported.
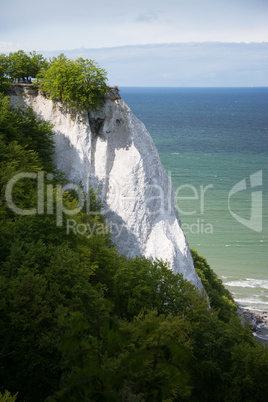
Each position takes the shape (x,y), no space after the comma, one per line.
(124,240)
(74,169)
(67,159)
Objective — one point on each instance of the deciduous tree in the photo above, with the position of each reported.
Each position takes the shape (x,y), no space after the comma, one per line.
(79,83)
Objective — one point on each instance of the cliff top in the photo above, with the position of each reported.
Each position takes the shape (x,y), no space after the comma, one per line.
(32,89)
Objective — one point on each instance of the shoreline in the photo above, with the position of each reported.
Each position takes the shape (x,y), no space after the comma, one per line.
(257,321)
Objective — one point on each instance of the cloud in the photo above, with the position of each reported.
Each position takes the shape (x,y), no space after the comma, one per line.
(182,64)
(6,47)
(150,16)
(67,24)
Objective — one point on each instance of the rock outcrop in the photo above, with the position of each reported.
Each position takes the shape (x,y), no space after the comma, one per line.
(112,151)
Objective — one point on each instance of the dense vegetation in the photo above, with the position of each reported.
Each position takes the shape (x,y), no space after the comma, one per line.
(78,322)
(79,83)
(19,66)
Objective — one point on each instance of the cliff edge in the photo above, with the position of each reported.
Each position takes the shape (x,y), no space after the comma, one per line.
(111,150)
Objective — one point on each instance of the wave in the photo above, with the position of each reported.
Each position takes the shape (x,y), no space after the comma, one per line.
(248,283)
(264,337)
(251,301)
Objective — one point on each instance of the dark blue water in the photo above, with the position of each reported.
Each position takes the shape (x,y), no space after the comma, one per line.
(214,144)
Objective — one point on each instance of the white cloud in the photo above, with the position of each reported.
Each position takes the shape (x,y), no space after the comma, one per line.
(150,16)
(183,64)
(6,47)
(67,24)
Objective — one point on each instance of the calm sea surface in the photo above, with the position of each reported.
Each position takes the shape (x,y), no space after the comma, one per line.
(213,142)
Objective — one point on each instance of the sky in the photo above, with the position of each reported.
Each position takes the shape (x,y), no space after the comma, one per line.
(137,28)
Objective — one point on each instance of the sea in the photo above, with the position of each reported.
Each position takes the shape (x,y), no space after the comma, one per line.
(213,142)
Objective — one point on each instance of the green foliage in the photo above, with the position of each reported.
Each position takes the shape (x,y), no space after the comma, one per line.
(7,397)
(50,282)
(219,367)
(4,61)
(21,127)
(143,360)
(41,274)
(37,62)
(249,372)
(79,83)
(4,82)
(140,283)
(220,298)
(156,364)
(20,65)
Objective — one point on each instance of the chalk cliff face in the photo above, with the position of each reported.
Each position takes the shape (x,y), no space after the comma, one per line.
(111,150)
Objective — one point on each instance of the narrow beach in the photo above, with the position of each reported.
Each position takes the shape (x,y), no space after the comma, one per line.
(258,322)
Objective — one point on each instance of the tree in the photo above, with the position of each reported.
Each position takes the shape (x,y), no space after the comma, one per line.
(37,62)
(79,83)
(145,360)
(21,65)
(17,124)
(220,298)
(4,82)
(140,283)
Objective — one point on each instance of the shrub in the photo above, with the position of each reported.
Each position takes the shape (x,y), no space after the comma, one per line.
(79,83)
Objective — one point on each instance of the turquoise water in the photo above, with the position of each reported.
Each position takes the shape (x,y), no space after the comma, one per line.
(213,142)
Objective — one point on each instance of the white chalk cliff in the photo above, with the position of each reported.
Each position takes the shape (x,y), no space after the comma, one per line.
(111,150)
